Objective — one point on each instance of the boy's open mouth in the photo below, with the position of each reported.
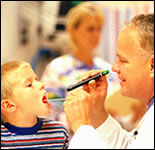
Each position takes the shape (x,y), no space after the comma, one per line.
(44,99)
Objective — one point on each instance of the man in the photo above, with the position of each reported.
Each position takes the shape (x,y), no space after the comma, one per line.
(84,107)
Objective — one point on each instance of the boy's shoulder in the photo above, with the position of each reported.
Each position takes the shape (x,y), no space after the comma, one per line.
(52,123)
(4,131)
(53,126)
(3,128)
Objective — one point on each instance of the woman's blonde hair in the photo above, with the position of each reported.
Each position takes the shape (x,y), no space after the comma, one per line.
(78,13)
(82,10)
(9,76)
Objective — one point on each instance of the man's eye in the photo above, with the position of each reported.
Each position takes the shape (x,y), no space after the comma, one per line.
(123,61)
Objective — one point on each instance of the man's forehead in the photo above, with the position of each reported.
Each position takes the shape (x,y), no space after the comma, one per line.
(129,39)
(130,30)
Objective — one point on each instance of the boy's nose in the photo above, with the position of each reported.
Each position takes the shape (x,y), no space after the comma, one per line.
(42,86)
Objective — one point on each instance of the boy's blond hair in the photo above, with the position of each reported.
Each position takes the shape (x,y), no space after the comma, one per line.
(9,75)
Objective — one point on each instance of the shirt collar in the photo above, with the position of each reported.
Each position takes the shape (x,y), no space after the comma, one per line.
(150,103)
(81,65)
(24,131)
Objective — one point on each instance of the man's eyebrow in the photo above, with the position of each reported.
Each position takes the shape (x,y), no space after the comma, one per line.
(120,56)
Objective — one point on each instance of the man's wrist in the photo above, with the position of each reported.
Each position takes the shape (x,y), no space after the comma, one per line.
(100,119)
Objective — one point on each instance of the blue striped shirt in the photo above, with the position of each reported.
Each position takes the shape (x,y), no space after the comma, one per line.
(46,134)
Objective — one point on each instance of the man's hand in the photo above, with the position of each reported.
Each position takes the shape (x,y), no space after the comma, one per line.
(85,106)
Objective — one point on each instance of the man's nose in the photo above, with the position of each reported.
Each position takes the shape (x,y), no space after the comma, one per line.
(115,67)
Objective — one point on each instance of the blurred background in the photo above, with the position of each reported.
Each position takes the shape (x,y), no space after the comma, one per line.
(34,31)
(30,26)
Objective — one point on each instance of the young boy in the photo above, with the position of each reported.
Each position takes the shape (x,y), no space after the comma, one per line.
(23,99)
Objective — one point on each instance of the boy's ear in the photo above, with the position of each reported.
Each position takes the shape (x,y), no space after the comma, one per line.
(8,106)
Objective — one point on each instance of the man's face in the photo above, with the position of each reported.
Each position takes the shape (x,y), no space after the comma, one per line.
(130,66)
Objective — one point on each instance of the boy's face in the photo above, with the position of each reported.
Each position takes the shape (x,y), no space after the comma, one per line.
(29,95)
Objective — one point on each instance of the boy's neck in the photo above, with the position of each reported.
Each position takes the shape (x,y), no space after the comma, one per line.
(22,121)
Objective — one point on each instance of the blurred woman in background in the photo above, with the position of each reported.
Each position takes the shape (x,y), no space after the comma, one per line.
(84,25)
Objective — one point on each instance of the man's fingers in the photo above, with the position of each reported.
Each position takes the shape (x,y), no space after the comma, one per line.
(92,86)
(75,94)
(90,74)
(86,88)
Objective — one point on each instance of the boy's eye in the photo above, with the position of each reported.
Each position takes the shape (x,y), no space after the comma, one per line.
(29,85)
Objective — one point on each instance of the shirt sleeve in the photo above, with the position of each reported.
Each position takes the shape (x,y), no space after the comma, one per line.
(112,133)
(109,135)
(86,137)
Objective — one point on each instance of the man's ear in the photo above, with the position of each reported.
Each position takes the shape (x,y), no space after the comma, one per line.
(8,106)
(151,65)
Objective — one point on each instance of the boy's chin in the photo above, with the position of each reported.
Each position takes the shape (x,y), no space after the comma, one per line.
(45,113)
(48,112)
